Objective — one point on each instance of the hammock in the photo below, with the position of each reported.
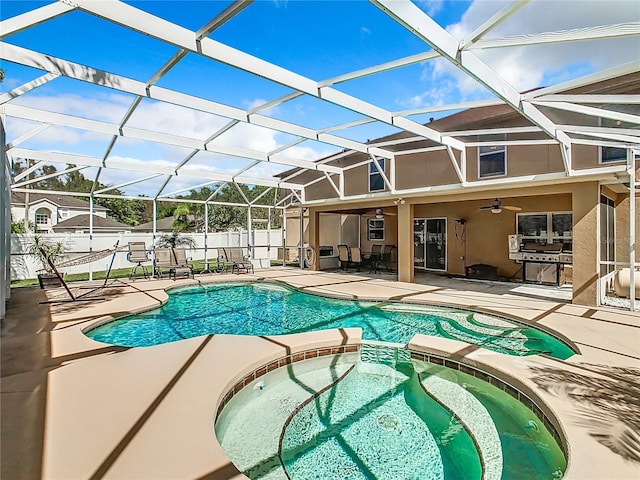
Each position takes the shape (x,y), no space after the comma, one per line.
(91,257)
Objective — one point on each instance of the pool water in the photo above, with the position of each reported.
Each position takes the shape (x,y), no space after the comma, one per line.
(351,419)
(270,309)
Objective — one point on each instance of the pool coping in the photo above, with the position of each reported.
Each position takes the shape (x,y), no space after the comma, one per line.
(170,393)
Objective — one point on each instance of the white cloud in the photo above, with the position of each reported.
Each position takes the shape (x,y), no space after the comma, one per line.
(534,66)
(142,155)
(258,102)
(108,108)
(365,30)
(432,7)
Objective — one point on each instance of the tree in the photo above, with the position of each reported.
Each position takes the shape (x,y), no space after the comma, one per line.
(43,249)
(227,217)
(173,240)
(129,212)
(181,217)
(18,227)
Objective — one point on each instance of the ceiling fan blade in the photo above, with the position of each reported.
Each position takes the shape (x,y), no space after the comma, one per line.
(510,207)
(390,213)
(488,207)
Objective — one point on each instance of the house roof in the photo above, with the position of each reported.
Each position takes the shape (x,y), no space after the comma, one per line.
(164,224)
(484,118)
(80,221)
(18,198)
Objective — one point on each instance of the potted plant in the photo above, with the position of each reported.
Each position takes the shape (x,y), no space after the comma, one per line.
(41,249)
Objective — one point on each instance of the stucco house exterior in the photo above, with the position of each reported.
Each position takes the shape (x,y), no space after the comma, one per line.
(511,201)
(45,211)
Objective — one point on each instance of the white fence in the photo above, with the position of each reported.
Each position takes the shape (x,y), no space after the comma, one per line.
(264,247)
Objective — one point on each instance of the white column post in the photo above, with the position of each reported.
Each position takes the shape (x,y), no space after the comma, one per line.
(249,239)
(269,235)
(284,236)
(300,257)
(632,228)
(90,235)
(206,230)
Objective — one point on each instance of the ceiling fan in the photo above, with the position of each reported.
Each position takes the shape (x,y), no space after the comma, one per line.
(379,213)
(497,207)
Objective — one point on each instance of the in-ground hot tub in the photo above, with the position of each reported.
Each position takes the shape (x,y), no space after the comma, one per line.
(380,414)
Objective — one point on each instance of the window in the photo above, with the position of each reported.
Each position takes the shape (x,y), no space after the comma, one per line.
(613,154)
(544,228)
(64,213)
(42,216)
(375,229)
(492,161)
(376,182)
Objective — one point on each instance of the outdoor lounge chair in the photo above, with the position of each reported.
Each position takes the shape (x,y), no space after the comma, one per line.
(138,255)
(238,261)
(173,259)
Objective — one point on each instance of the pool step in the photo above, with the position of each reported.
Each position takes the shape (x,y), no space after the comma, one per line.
(474,416)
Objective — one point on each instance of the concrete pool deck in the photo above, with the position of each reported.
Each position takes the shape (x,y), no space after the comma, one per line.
(73,408)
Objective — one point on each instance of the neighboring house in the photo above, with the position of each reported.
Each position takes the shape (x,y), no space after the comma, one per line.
(47,210)
(80,224)
(437,205)
(166,225)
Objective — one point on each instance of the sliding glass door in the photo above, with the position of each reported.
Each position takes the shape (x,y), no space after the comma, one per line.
(430,243)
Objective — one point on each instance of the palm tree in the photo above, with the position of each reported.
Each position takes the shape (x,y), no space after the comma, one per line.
(42,249)
(181,215)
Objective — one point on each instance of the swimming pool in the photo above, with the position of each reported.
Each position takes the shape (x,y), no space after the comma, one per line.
(347,417)
(269,309)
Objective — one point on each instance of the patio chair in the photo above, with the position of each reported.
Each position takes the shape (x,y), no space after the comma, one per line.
(356,257)
(181,263)
(344,256)
(239,262)
(388,261)
(215,266)
(373,256)
(163,260)
(138,254)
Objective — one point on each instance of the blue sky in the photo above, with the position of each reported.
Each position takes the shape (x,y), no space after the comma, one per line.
(316,39)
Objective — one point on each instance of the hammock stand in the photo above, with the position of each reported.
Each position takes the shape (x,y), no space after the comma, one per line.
(91,257)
